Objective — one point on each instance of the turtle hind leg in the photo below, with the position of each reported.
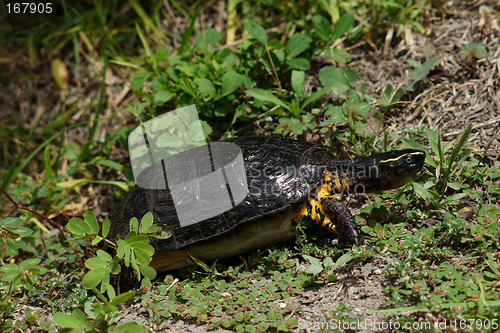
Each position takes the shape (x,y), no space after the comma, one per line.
(345,226)
(306,209)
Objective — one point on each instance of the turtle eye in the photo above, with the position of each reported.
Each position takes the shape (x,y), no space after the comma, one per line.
(409,160)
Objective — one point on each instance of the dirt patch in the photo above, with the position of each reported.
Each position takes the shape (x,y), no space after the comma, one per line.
(360,289)
(461,90)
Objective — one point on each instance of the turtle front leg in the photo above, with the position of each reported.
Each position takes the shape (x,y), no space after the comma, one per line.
(344,224)
(331,214)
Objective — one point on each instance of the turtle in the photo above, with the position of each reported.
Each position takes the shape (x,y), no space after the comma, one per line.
(287,180)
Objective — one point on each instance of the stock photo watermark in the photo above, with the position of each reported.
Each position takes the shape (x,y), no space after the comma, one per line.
(204,179)
(367,324)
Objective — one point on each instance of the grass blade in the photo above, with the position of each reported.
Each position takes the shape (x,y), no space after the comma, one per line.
(93,129)
(13,171)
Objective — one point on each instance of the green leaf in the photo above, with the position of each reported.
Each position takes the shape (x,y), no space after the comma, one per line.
(10,220)
(362,109)
(391,96)
(207,129)
(133,263)
(80,316)
(230,82)
(258,32)
(344,259)
(298,44)
(208,37)
(65,320)
(110,290)
(122,247)
(421,191)
(142,257)
(94,263)
(137,239)
(476,50)
(9,233)
(148,272)
(126,258)
(146,281)
(145,17)
(277,46)
(212,36)
(20,231)
(322,27)
(343,25)
(315,96)
(28,282)
(11,275)
(316,266)
(146,222)
(105,227)
(205,86)
(412,144)
(272,112)
(105,282)
(455,198)
(96,240)
(187,86)
(134,225)
(39,270)
(436,144)
(277,57)
(104,255)
(422,71)
(300,64)
(298,78)
(339,55)
(162,96)
(160,83)
(8,267)
(93,278)
(114,267)
(91,220)
(78,226)
(28,263)
(161,55)
(291,125)
(328,262)
(138,79)
(123,297)
(266,96)
(335,115)
(144,246)
(338,79)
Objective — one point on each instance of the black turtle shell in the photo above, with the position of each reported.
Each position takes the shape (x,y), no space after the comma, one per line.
(281,173)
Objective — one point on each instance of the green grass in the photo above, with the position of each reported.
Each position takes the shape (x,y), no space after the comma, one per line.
(443,260)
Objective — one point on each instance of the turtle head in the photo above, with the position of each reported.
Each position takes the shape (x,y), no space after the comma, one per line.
(385,171)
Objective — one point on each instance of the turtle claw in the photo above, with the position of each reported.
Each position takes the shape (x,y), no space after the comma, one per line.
(345,226)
